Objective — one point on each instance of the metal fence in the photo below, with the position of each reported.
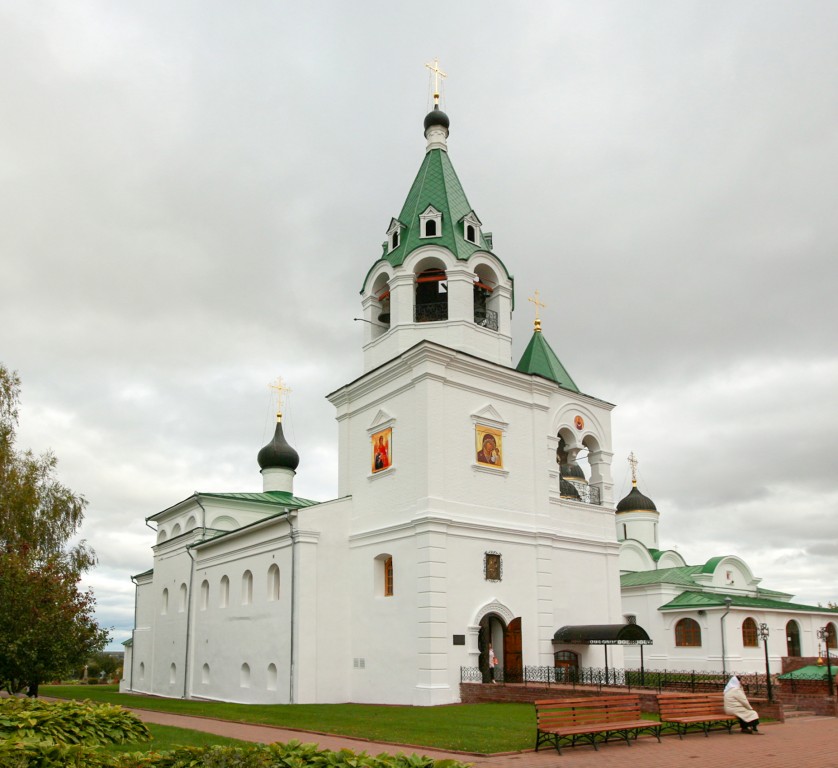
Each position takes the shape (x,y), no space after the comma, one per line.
(687,681)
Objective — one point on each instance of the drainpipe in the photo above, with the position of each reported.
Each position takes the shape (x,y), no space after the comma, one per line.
(188,624)
(133,636)
(728,601)
(189,598)
(292,649)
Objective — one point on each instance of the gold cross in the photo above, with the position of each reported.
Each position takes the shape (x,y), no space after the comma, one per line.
(437,73)
(281,391)
(537,303)
(632,460)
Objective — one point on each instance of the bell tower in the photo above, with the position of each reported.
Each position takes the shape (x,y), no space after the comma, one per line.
(437,278)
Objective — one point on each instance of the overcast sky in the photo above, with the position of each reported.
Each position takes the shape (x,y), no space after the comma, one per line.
(193,192)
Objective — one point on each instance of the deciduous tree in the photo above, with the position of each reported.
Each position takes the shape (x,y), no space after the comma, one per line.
(47,624)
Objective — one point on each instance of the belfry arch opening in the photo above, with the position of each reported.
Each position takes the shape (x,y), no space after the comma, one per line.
(431,297)
(575,470)
(485,299)
(381,311)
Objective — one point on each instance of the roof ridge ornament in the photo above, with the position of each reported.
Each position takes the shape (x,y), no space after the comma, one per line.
(537,303)
(437,73)
(281,391)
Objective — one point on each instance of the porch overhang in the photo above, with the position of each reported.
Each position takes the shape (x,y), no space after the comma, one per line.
(601,634)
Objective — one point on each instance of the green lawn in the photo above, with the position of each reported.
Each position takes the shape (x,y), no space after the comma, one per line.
(167,737)
(483,728)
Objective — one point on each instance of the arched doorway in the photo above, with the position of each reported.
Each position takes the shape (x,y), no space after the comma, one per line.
(793,638)
(492,631)
(567,665)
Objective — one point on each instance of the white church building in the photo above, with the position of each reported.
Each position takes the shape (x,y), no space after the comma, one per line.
(711,617)
(463,517)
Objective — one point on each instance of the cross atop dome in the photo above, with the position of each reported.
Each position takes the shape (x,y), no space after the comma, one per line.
(437,74)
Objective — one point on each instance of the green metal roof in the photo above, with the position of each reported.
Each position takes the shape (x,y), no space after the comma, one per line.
(690,599)
(540,359)
(680,576)
(280,498)
(436,184)
(809,672)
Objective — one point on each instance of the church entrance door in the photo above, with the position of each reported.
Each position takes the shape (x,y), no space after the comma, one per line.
(492,632)
(513,669)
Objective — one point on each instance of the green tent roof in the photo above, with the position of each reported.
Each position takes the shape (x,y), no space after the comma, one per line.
(540,359)
(436,184)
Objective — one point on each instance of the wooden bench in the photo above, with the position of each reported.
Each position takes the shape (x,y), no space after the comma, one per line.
(682,711)
(570,720)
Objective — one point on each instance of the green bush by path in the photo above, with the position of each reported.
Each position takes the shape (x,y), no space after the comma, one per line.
(68,722)
(480,728)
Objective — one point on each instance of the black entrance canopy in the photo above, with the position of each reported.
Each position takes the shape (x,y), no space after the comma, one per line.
(602,634)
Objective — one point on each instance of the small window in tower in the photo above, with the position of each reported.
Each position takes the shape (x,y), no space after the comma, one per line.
(492,566)
(471,227)
(394,235)
(430,222)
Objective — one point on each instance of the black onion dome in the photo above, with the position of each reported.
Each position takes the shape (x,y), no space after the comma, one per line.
(277,454)
(636,502)
(437,117)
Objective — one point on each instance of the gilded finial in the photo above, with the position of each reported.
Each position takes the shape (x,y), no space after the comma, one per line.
(437,73)
(537,303)
(281,391)
(632,460)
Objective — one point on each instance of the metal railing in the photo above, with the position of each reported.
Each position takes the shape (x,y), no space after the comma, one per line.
(486,318)
(687,681)
(429,313)
(588,494)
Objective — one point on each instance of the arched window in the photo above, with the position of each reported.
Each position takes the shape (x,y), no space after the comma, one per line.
(395,241)
(388,577)
(224,597)
(181,607)
(831,636)
(470,234)
(383,575)
(273,582)
(247,588)
(749,633)
(271,685)
(430,228)
(172,674)
(176,530)
(431,296)
(245,676)
(164,604)
(204,595)
(205,674)
(687,634)
(142,670)
(793,638)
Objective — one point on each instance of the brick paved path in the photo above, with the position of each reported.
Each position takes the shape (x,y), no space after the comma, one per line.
(799,743)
